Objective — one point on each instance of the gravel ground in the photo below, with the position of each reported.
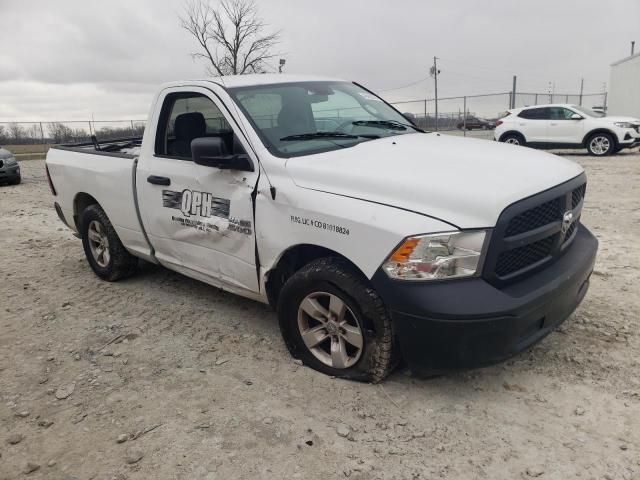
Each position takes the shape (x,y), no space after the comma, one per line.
(163,377)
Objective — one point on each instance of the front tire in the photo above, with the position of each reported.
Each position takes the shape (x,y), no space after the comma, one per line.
(106,255)
(600,145)
(333,320)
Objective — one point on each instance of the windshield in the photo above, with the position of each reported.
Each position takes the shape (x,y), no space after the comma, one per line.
(295,119)
(587,111)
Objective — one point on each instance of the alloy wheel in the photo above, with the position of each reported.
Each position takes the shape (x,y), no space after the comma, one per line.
(599,145)
(330,330)
(99,243)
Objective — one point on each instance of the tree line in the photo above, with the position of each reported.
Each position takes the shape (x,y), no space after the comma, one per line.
(55,132)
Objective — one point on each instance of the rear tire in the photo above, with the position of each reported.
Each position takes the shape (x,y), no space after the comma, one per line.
(513,139)
(106,255)
(348,333)
(600,145)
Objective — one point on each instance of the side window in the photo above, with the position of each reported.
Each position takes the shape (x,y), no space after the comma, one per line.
(528,114)
(560,113)
(535,114)
(186,116)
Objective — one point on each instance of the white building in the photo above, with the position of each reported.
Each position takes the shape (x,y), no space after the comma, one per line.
(624,87)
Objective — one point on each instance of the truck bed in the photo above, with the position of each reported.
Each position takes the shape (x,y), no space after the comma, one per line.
(80,173)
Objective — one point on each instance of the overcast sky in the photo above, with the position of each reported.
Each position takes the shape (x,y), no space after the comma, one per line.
(71,59)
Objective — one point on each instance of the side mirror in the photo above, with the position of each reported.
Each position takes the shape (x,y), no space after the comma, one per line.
(212,152)
(575,116)
(409,116)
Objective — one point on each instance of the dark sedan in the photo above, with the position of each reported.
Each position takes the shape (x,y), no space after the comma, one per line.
(472,123)
(9,168)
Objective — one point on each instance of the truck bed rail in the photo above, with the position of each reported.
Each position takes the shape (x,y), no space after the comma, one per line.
(120,147)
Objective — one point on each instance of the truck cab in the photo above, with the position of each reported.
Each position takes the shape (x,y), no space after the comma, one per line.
(376,242)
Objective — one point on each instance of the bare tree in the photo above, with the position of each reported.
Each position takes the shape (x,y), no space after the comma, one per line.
(16,132)
(231,36)
(3,135)
(33,133)
(60,132)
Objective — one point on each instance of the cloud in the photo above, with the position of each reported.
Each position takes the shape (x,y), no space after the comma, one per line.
(71,58)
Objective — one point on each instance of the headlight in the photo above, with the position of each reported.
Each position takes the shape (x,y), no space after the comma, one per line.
(11,161)
(624,124)
(438,256)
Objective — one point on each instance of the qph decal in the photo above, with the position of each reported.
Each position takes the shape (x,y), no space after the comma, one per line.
(191,202)
(201,206)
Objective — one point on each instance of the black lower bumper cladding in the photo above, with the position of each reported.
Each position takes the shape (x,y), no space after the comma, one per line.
(468,323)
(9,176)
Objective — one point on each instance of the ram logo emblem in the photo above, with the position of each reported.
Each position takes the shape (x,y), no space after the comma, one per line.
(567,220)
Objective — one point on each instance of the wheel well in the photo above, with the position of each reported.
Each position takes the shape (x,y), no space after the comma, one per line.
(600,130)
(82,201)
(293,260)
(512,132)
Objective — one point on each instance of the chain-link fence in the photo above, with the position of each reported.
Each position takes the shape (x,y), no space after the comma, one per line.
(480,111)
(470,112)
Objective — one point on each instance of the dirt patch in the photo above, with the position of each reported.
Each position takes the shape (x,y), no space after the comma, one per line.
(160,376)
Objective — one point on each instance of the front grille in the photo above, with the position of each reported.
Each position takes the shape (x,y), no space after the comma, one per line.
(534,218)
(1,163)
(530,233)
(521,257)
(577,195)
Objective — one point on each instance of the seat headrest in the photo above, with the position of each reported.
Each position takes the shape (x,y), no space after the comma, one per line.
(189,126)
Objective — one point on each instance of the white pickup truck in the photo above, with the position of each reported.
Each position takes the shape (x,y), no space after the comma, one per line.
(375,241)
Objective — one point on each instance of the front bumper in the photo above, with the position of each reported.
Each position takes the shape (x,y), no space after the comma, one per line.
(632,144)
(9,173)
(630,139)
(469,323)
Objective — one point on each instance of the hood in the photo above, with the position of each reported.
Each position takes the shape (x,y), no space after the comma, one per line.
(622,119)
(5,153)
(465,182)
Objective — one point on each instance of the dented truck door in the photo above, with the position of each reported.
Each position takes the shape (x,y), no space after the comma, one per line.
(199,219)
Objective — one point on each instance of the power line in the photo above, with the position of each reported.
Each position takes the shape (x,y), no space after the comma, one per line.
(405,86)
(535,74)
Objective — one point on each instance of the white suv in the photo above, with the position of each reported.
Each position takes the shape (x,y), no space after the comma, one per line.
(568,126)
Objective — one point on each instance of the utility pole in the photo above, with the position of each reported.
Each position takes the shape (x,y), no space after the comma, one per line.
(513,93)
(581,90)
(434,73)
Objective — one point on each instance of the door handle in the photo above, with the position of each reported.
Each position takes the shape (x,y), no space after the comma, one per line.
(156,180)
(553,124)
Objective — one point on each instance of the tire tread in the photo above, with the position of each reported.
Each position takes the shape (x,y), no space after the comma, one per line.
(123,264)
(383,358)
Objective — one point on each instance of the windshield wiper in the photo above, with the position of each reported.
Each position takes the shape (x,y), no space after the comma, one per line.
(328,135)
(388,124)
